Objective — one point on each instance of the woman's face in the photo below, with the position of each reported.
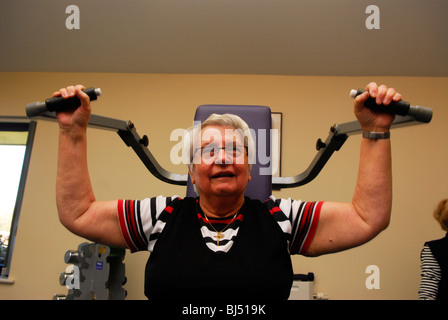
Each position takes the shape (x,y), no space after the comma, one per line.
(220,163)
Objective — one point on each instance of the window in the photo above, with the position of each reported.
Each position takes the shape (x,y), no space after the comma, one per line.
(16,139)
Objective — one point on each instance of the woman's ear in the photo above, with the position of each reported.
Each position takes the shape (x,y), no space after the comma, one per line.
(190,171)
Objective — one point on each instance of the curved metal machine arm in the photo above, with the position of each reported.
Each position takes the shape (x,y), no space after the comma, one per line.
(339,133)
(127,131)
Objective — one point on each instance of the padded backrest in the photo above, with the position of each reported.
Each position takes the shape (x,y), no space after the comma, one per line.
(259,119)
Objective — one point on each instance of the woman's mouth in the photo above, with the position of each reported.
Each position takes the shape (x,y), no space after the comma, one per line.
(223,175)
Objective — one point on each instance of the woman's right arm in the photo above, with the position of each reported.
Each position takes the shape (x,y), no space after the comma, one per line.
(78,209)
(430,275)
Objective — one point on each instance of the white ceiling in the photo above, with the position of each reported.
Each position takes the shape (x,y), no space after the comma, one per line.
(287,37)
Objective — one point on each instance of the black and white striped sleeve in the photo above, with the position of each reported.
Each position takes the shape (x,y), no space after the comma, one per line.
(298,219)
(430,275)
(141,222)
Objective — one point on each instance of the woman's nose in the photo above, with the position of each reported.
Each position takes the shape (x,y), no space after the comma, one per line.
(223,157)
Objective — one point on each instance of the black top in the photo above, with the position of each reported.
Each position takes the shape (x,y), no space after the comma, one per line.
(181,266)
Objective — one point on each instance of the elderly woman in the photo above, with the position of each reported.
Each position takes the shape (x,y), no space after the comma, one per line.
(221,244)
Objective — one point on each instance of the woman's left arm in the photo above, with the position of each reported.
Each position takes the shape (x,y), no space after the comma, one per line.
(346,225)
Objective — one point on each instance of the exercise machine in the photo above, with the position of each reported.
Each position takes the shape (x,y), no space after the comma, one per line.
(101,274)
(95,272)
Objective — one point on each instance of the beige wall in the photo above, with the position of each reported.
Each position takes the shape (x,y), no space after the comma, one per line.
(157,104)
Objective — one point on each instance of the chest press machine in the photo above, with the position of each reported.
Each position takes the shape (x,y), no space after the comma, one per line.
(98,271)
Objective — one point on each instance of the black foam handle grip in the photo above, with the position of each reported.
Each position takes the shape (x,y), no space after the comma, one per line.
(402,108)
(58,104)
(395,107)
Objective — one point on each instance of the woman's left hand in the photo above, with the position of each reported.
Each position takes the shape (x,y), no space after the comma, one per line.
(375,121)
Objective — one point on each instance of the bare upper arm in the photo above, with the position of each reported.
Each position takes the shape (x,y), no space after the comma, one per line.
(340,227)
(100,224)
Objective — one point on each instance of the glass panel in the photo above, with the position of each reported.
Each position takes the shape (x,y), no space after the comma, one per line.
(16,139)
(11,163)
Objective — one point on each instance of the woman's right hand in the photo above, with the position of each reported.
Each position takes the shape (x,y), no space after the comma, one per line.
(79,118)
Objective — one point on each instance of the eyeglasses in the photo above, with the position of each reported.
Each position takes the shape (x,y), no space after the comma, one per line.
(211,151)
